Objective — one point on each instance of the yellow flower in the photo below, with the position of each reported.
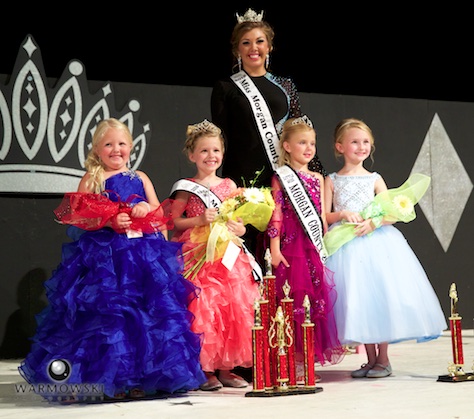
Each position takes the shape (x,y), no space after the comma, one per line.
(403,204)
(254,195)
(227,207)
(267,193)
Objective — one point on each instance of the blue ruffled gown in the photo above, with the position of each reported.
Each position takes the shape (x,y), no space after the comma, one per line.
(118,312)
(383,292)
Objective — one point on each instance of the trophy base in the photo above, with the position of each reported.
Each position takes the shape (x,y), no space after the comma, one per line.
(448,378)
(289,392)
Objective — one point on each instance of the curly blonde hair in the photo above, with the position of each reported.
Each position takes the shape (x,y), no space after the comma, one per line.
(93,164)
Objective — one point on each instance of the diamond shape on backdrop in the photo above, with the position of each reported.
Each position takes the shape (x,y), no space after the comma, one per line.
(445,199)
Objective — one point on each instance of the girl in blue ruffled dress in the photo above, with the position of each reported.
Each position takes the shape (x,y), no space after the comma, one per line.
(118,308)
(383,293)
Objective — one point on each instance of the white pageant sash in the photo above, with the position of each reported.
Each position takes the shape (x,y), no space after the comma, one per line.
(262,115)
(304,207)
(211,200)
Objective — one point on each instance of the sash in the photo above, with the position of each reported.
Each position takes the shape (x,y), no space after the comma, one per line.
(262,115)
(304,208)
(210,199)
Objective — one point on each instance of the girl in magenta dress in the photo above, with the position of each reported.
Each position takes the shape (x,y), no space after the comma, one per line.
(296,257)
(223,311)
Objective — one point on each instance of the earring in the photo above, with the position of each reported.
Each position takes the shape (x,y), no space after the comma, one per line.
(239,62)
(129,165)
(267,61)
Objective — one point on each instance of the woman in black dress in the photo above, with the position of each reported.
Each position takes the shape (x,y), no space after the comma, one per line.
(250,107)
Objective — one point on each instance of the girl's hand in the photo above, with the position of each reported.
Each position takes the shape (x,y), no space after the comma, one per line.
(351,217)
(365,227)
(236,227)
(140,210)
(208,216)
(277,258)
(121,221)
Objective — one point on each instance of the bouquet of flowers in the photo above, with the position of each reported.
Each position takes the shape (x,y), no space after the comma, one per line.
(253,205)
(392,205)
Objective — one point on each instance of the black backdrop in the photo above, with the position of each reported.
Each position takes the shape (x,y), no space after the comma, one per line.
(335,48)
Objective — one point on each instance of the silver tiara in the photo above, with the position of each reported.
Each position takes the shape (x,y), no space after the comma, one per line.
(204,126)
(302,120)
(250,16)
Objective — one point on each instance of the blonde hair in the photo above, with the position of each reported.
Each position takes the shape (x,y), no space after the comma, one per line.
(343,126)
(240,29)
(290,127)
(201,129)
(93,164)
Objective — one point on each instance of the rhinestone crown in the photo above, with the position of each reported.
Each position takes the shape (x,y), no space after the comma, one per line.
(250,16)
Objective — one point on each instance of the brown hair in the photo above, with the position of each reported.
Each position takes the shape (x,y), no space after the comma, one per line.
(201,129)
(240,29)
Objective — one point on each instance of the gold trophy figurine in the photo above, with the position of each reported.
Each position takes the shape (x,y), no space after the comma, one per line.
(455,368)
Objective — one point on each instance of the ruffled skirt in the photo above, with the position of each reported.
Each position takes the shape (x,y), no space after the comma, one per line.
(118,315)
(224,313)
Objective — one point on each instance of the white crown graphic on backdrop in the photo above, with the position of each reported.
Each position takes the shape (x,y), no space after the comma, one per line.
(46,133)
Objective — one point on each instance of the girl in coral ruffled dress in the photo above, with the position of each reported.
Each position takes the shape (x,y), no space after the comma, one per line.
(216,259)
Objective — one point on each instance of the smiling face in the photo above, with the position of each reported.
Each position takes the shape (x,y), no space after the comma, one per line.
(355,145)
(207,154)
(253,49)
(114,150)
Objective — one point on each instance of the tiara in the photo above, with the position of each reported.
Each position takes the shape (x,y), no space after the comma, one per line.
(203,126)
(302,120)
(250,16)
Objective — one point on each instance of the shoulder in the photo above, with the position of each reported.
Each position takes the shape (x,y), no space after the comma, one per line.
(231,184)
(379,185)
(143,176)
(284,81)
(223,84)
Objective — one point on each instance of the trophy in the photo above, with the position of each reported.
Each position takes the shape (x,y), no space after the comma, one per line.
(274,367)
(455,368)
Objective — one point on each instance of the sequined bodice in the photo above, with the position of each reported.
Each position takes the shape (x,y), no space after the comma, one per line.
(353,193)
(195,206)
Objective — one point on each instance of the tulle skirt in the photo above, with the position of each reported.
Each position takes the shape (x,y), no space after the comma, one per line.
(383,292)
(118,315)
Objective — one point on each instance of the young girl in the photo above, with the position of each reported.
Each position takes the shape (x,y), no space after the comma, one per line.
(224,309)
(384,295)
(296,246)
(117,310)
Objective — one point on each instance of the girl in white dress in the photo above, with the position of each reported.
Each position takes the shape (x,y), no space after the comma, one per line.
(383,293)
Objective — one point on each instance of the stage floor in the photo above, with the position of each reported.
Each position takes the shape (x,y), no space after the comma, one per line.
(413,390)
